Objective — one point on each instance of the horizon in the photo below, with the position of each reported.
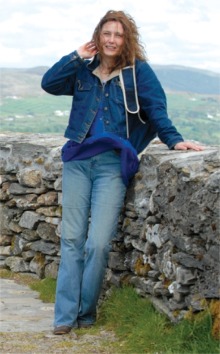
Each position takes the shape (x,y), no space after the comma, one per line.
(151,64)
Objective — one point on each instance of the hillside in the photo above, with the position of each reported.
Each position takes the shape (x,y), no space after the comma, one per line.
(192,96)
(184,79)
(21,82)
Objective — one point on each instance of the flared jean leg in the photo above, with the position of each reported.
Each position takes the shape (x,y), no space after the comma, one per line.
(92,186)
(107,198)
(75,214)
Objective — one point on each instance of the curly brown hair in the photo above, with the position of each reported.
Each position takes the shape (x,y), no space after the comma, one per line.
(132,49)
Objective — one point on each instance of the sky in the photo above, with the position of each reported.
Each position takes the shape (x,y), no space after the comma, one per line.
(177,32)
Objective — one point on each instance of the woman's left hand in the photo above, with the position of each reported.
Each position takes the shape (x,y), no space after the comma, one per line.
(185,145)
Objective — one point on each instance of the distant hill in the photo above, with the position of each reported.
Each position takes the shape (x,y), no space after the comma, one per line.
(185,79)
(26,82)
(22,82)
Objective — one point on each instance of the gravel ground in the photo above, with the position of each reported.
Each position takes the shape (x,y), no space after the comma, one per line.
(26,326)
(81,343)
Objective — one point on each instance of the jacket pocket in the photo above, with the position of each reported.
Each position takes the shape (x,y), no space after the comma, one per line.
(83,85)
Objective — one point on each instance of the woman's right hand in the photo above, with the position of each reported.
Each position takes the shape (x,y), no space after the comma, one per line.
(87,50)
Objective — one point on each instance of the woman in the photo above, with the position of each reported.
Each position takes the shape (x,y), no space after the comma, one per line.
(106,131)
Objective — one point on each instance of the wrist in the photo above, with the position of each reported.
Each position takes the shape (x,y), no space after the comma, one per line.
(79,55)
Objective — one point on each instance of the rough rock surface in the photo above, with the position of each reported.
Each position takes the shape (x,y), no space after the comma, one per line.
(168,240)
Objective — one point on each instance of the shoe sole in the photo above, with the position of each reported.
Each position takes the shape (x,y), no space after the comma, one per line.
(62,330)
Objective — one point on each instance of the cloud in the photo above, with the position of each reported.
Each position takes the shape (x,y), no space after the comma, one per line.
(39,32)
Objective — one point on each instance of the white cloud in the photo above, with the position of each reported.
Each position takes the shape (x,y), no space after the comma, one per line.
(39,32)
(11,56)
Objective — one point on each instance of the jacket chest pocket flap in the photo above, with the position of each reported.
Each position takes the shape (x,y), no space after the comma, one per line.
(83,86)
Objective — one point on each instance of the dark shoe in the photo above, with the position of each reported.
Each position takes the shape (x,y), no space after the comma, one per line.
(62,330)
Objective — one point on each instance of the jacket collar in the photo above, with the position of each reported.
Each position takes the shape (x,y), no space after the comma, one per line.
(113,74)
(93,63)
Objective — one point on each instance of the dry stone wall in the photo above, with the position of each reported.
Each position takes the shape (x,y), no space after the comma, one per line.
(31,175)
(168,242)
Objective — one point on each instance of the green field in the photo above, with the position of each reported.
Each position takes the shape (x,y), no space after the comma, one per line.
(196,116)
(35,114)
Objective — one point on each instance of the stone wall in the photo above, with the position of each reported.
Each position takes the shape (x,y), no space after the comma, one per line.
(168,241)
(31,173)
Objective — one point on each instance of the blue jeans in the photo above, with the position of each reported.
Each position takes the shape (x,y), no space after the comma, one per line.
(93,195)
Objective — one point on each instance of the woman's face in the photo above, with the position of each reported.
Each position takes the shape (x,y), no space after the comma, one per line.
(111,39)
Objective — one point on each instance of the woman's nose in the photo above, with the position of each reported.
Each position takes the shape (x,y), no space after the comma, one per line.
(112,37)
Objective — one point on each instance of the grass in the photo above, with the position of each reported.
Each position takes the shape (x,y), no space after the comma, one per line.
(139,328)
(46,287)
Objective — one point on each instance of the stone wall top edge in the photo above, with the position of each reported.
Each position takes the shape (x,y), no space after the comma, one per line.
(57,140)
(50,140)
(162,153)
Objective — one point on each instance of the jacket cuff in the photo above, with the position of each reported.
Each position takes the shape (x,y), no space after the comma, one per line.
(75,55)
(171,147)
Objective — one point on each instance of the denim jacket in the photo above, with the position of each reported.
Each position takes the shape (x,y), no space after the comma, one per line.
(78,78)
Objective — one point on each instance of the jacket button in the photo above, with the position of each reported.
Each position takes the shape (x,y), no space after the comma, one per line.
(107,122)
(105,108)
(106,95)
